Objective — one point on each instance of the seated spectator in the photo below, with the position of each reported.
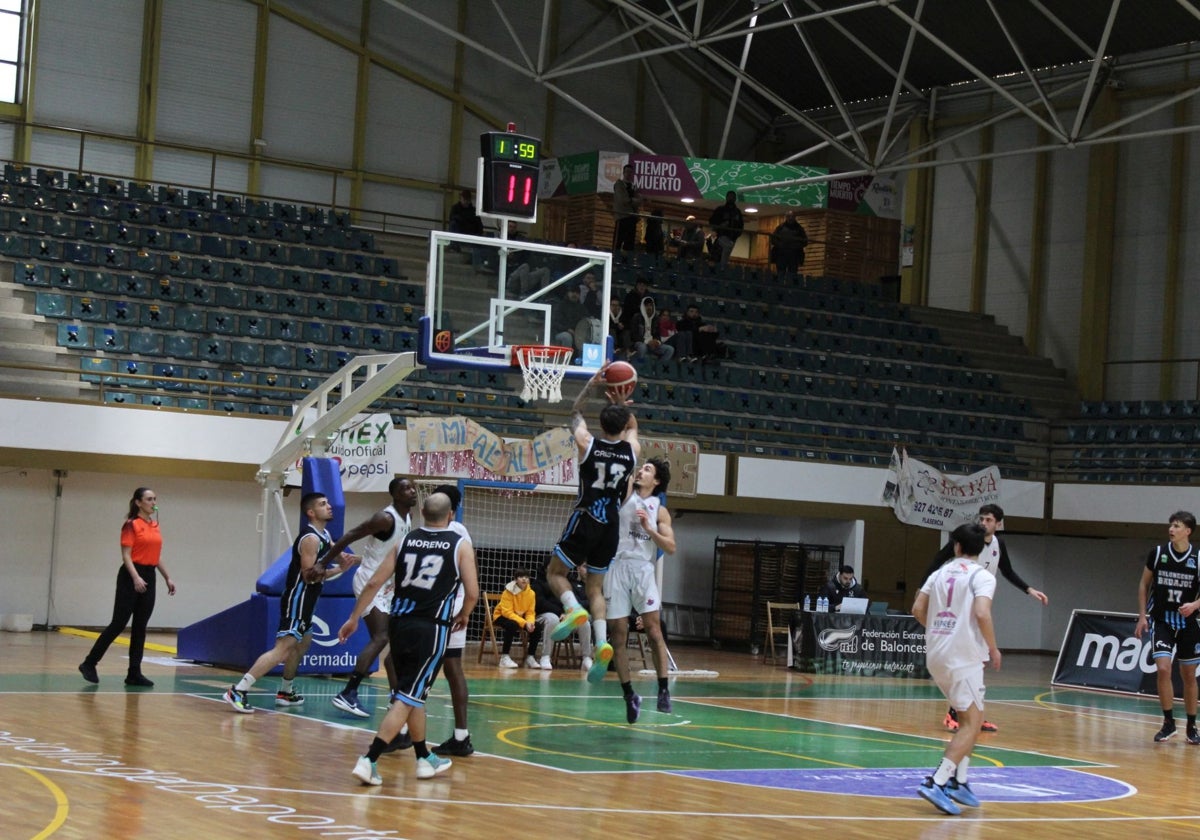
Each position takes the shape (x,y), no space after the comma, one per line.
(653,237)
(527,272)
(645,334)
(844,585)
(787,245)
(549,613)
(463,218)
(570,322)
(633,299)
(514,613)
(590,294)
(690,241)
(668,332)
(617,329)
(704,336)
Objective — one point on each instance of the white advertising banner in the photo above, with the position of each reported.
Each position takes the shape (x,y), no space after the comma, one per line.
(921,495)
(361,449)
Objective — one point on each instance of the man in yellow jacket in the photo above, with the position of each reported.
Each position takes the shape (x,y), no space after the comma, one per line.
(516,612)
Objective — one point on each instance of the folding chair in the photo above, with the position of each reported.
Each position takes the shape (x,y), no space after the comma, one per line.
(777,625)
(490,600)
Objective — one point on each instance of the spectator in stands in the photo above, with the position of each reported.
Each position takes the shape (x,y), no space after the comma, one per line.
(590,294)
(787,245)
(617,329)
(690,241)
(570,321)
(843,585)
(727,223)
(463,218)
(668,332)
(633,298)
(514,613)
(625,208)
(645,336)
(527,272)
(703,336)
(653,237)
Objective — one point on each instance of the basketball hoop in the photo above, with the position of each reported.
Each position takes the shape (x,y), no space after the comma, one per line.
(543,366)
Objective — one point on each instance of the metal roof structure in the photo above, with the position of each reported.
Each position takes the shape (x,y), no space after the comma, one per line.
(848,76)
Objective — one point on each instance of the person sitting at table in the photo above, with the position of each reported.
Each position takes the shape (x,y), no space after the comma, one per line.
(844,585)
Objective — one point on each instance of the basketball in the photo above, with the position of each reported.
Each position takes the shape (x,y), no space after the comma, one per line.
(619,374)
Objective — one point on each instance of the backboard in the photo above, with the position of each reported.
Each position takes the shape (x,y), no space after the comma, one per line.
(483,296)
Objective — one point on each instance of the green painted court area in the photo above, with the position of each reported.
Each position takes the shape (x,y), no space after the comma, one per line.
(573,726)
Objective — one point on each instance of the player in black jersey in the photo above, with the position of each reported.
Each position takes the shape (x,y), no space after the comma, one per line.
(300,592)
(428,567)
(1169,592)
(606,469)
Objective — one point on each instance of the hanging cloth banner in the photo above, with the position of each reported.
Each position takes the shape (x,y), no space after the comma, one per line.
(921,495)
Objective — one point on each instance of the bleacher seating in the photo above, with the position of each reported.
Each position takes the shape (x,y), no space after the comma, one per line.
(1129,441)
(178,298)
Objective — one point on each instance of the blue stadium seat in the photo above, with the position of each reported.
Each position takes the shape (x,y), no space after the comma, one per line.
(279,356)
(284,329)
(229,297)
(312,358)
(179,346)
(254,325)
(292,304)
(320,307)
(74,336)
(317,332)
(146,343)
(52,305)
(87,308)
(249,353)
(120,312)
(97,369)
(213,349)
(222,323)
(261,302)
(191,318)
(109,339)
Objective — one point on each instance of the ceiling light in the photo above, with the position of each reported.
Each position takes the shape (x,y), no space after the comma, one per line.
(750,210)
(687,201)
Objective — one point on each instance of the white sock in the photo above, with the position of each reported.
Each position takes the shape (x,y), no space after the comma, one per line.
(960,773)
(245,683)
(600,632)
(944,772)
(569,601)
(285,686)
(461,734)
(403,729)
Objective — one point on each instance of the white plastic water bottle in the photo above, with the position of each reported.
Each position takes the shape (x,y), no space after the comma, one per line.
(822,604)
(807,604)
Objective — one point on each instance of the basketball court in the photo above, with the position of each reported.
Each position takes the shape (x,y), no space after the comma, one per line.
(759,751)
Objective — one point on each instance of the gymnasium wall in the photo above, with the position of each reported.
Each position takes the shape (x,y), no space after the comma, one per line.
(61,554)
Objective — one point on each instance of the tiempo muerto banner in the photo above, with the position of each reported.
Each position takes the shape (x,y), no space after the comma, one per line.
(921,495)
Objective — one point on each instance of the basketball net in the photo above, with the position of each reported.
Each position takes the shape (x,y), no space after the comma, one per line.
(543,367)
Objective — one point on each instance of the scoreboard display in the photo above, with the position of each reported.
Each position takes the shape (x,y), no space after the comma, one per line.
(511,168)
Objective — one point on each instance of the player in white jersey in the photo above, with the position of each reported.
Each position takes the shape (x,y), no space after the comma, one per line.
(382,533)
(955,608)
(631,582)
(994,558)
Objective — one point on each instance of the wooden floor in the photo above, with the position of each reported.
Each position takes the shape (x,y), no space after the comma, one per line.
(758,751)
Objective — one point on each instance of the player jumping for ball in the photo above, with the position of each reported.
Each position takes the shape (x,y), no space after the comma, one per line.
(606,471)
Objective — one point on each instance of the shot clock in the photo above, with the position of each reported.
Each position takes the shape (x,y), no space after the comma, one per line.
(511,166)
